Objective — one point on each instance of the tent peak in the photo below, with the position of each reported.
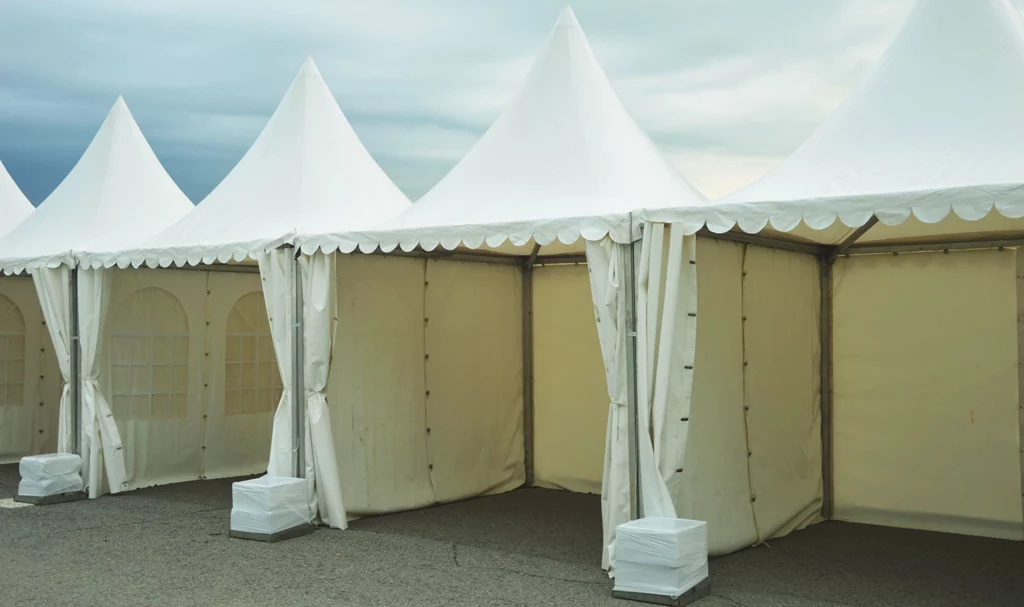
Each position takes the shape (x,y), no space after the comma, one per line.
(309,67)
(567,18)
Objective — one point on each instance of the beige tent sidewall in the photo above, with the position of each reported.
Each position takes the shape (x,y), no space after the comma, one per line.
(31,427)
(926,392)
(407,327)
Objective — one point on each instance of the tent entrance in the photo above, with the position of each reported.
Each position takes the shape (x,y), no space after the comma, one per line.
(428,388)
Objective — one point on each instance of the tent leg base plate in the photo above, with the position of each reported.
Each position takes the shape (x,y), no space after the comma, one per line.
(696,593)
(270,538)
(47,500)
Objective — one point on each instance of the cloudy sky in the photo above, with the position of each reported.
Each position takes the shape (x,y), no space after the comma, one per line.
(725,87)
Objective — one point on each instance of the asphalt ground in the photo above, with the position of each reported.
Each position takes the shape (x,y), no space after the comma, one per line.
(169,546)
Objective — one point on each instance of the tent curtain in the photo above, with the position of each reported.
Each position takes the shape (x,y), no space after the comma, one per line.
(666,342)
(320,323)
(607,261)
(53,287)
(99,431)
(277,273)
(320,320)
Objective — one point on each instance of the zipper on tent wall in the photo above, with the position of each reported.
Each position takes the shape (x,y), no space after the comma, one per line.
(743,375)
(528,384)
(298,371)
(426,384)
(1020,368)
(75,379)
(206,375)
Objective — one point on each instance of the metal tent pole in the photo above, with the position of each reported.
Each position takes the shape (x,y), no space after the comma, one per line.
(528,460)
(298,371)
(828,488)
(629,277)
(75,379)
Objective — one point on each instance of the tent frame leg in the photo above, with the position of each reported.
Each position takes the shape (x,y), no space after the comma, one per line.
(298,372)
(75,372)
(527,311)
(826,261)
(636,509)
(827,467)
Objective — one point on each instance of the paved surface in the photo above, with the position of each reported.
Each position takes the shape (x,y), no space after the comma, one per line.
(169,546)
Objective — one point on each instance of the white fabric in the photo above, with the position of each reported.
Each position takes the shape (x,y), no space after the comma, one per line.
(28,413)
(50,474)
(666,341)
(53,286)
(268,505)
(163,371)
(607,262)
(935,128)
(564,160)
(116,195)
(320,323)
(306,172)
(99,430)
(277,269)
(14,206)
(661,556)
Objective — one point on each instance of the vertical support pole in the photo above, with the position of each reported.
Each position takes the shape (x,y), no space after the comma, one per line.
(75,379)
(629,278)
(298,371)
(828,488)
(528,460)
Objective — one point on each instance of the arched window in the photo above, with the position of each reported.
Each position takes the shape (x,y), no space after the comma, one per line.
(150,356)
(252,382)
(12,354)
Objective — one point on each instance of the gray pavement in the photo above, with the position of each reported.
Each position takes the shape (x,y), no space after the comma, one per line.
(169,546)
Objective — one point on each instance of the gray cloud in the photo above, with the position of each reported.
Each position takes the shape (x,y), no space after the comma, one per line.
(726,87)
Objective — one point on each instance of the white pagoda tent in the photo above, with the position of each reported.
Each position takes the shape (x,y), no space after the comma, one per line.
(29,383)
(307,171)
(115,195)
(908,201)
(483,307)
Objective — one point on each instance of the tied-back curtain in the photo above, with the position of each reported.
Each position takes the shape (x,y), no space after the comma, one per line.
(320,322)
(666,341)
(53,287)
(277,274)
(99,430)
(607,262)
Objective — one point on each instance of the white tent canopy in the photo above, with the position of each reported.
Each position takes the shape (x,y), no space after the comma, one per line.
(565,159)
(919,354)
(14,206)
(936,127)
(116,195)
(306,172)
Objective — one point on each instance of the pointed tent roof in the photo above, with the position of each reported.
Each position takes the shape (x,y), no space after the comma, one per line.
(937,126)
(306,172)
(14,206)
(565,159)
(117,194)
